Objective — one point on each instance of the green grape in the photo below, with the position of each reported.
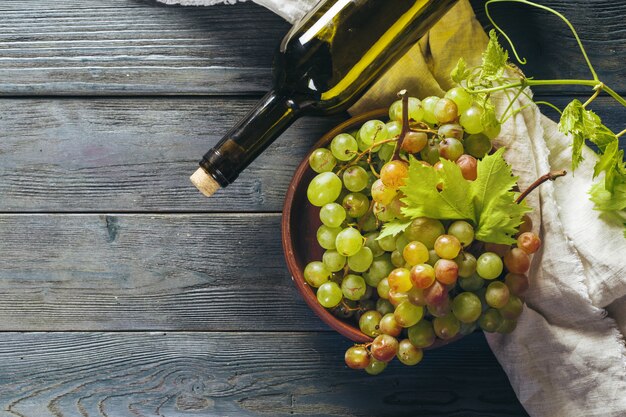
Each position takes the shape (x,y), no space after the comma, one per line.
(400,280)
(432,257)
(416,111)
(429,104)
(386,152)
(388,243)
(344,310)
(369,292)
(445,110)
(369,222)
(333,260)
(332,215)
(327,236)
(462,98)
(384,347)
(467,307)
(422,276)
(384,307)
(471,283)
(394,173)
(436,294)
(415,253)
(416,296)
(492,132)
(344,147)
(430,153)
(357,357)
(467,328)
(381,268)
(375,367)
(422,334)
(349,241)
(440,310)
(446,271)
(490,320)
(356,204)
(517,283)
(408,314)
(382,213)
(424,230)
(353,287)
(497,294)
(477,145)
(366,304)
(414,142)
(513,309)
(517,261)
(507,326)
(382,289)
(372,243)
(409,354)
(396,297)
(316,273)
(397,259)
(471,120)
(324,189)
(447,246)
(463,231)
(361,261)
(381,193)
(469,167)
(451,149)
(355,178)
(451,130)
(394,128)
(446,327)
(322,160)
(401,242)
(396,207)
(329,294)
(467,264)
(369,323)
(489,265)
(372,132)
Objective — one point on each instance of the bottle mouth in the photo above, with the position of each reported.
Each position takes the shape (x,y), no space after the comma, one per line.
(204,182)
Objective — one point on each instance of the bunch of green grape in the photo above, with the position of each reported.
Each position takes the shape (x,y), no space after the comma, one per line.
(432,281)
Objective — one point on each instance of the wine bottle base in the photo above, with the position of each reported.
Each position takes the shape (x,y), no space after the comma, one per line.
(204,182)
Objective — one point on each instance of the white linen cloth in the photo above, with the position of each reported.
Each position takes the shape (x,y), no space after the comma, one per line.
(567,356)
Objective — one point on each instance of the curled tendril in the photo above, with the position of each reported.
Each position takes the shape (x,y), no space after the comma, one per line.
(522,61)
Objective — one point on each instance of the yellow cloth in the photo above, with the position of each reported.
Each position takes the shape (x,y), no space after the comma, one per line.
(425,70)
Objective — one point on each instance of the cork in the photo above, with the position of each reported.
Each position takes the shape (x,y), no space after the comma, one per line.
(204,182)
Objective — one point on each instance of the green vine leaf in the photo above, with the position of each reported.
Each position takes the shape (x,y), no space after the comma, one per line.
(495,59)
(392,229)
(460,72)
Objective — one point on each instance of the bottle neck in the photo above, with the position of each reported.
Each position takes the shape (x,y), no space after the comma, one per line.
(272,115)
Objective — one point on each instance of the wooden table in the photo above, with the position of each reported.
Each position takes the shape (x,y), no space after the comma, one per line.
(124,292)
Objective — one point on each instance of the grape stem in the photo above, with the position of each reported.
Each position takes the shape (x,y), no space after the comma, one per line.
(551,176)
(621,133)
(405,123)
(362,154)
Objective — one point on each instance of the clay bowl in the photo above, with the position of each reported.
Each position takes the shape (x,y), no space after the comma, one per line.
(300,222)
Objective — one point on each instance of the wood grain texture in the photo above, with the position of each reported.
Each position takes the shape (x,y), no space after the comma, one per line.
(245,374)
(111,155)
(131,47)
(135,155)
(147,272)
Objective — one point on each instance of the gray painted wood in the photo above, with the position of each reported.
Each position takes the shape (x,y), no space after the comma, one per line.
(238,374)
(77,155)
(138,47)
(147,272)
(134,155)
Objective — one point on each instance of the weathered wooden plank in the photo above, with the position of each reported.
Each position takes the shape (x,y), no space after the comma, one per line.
(132,47)
(75,155)
(246,374)
(154,272)
(134,155)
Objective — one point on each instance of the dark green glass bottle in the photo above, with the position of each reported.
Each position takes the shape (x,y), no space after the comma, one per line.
(323,65)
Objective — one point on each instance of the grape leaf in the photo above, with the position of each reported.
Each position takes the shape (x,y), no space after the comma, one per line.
(487,202)
(392,229)
(423,199)
(494,59)
(460,72)
(489,118)
(613,204)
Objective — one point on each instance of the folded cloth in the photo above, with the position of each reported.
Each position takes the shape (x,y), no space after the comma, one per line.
(567,356)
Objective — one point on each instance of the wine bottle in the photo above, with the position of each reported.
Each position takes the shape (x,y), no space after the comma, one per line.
(322,66)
